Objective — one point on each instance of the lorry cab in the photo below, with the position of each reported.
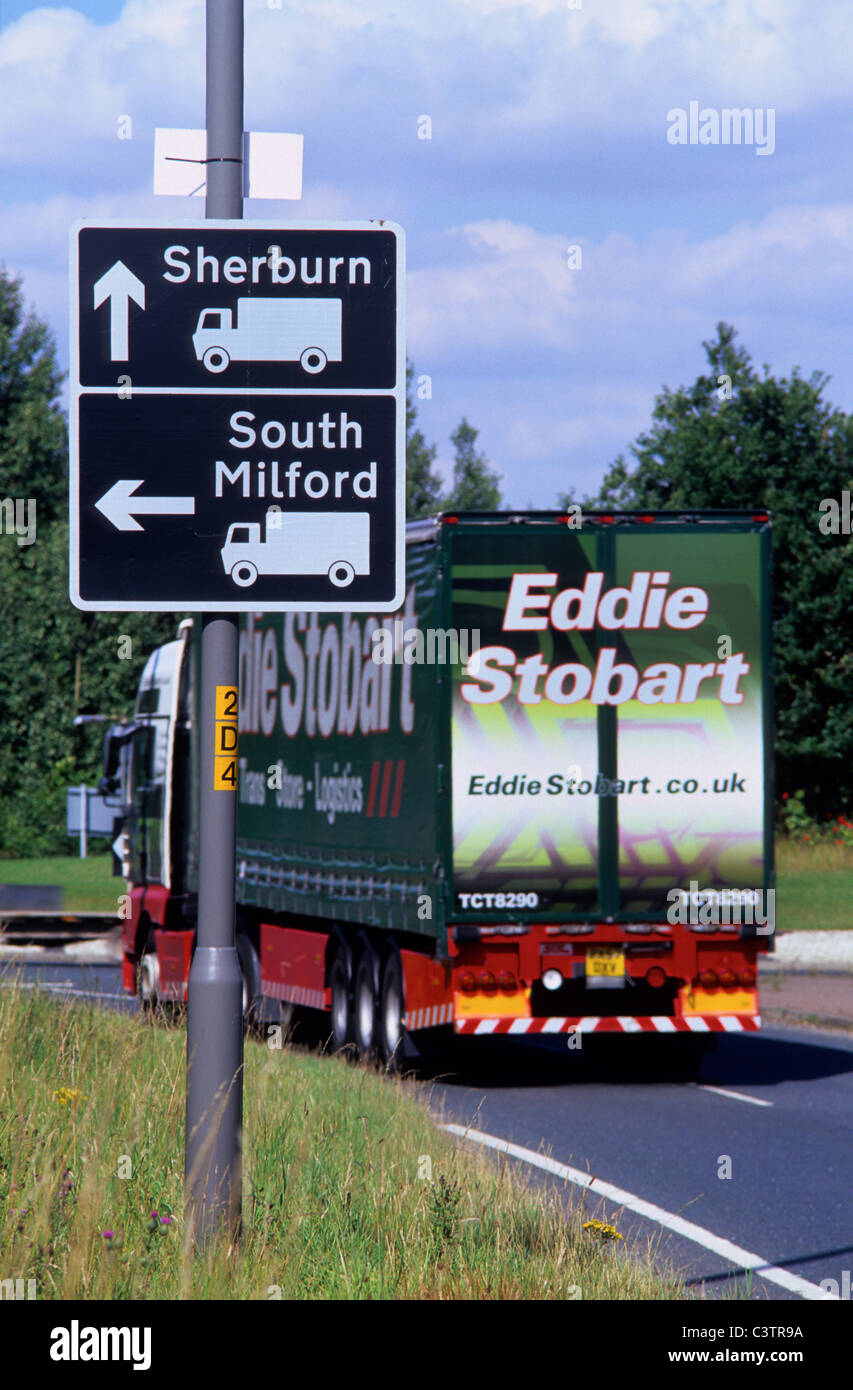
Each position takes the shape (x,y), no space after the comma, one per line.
(157,771)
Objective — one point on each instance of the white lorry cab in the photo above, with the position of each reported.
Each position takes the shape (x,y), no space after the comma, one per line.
(336,544)
(307,331)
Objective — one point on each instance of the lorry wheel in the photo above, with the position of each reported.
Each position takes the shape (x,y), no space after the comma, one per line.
(250,969)
(364,1009)
(148,976)
(244,573)
(339,986)
(313,360)
(216,359)
(341,573)
(392,1033)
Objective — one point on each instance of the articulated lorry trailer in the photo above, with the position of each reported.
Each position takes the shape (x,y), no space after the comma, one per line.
(538,799)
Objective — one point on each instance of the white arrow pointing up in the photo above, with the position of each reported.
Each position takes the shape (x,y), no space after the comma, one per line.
(119,285)
(118,505)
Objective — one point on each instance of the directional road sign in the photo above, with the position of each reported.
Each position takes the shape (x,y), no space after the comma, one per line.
(237,416)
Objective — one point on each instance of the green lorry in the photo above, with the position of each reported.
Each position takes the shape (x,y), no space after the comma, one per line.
(538,799)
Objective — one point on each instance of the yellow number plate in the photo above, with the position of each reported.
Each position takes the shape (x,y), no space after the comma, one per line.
(605,960)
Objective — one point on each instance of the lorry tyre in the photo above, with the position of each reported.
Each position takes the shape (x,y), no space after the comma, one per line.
(341,1016)
(392,1032)
(364,1008)
(148,976)
(244,573)
(216,359)
(341,573)
(250,969)
(313,360)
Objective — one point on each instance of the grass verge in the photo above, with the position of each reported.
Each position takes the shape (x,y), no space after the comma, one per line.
(88,884)
(814,883)
(350,1191)
(814,886)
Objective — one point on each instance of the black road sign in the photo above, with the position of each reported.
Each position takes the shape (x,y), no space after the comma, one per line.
(237,417)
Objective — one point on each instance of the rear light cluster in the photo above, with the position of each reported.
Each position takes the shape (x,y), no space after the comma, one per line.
(727,979)
(486,981)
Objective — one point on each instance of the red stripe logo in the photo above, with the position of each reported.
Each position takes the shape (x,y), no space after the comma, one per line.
(382,793)
(371,791)
(398,789)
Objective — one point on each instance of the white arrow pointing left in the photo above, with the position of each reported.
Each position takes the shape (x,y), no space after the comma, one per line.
(119,285)
(119,504)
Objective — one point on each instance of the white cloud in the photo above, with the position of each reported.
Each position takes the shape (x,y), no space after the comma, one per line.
(564,365)
(495,71)
(513,289)
(531,101)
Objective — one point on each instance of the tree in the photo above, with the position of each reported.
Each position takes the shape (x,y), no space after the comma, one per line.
(423,485)
(55,662)
(476,487)
(33,434)
(738,439)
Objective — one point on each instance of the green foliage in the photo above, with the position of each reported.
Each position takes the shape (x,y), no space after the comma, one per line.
(423,484)
(740,439)
(476,487)
(800,826)
(794,816)
(445,1200)
(33,436)
(56,662)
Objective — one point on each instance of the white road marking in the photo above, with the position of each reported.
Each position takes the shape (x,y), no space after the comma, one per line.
(736,1095)
(718,1245)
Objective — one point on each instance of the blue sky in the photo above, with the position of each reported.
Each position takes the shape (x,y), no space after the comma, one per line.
(549,129)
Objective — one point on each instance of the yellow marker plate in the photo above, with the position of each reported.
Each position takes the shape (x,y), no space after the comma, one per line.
(224,774)
(496,1005)
(225,739)
(226,702)
(720,1001)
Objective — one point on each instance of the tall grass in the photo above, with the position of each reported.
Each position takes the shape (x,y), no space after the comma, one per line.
(350,1191)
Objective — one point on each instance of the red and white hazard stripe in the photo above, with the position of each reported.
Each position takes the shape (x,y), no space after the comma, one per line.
(429,1018)
(296,994)
(175,991)
(707,1023)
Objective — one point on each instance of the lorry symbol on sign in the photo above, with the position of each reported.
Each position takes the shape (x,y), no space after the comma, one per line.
(336,544)
(307,331)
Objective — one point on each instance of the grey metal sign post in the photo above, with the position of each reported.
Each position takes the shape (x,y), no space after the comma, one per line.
(213,1172)
(237,444)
